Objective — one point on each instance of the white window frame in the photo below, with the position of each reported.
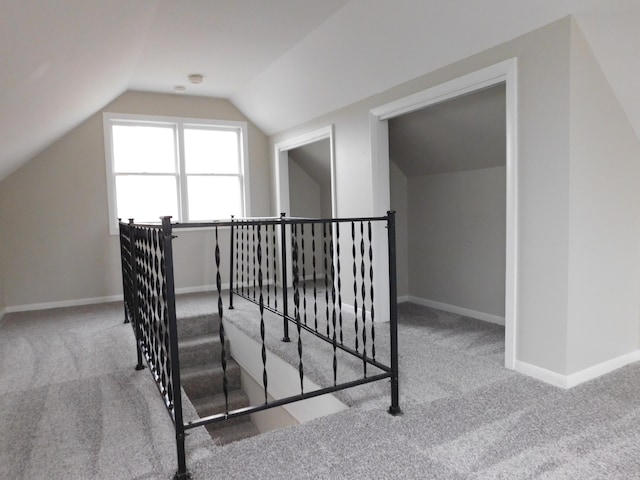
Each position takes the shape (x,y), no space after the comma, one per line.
(180,123)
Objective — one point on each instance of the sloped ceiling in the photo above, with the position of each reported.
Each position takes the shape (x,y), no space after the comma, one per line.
(281,62)
(465,133)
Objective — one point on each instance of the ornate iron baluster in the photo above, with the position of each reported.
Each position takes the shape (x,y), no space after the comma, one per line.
(326,279)
(248,265)
(164,258)
(241,265)
(285,285)
(363,292)
(223,354)
(372,312)
(339,282)
(267,263)
(394,409)
(334,339)
(355,281)
(275,267)
(304,275)
(296,301)
(315,278)
(253,248)
(261,305)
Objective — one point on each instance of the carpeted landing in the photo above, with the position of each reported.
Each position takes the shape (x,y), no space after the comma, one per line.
(71,406)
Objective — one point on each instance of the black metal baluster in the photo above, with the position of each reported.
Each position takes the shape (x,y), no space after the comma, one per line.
(231,266)
(285,297)
(372,311)
(171,330)
(363,291)
(355,281)
(223,354)
(267,263)
(334,339)
(304,275)
(261,305)
(241,266)
(394,409)
(326,279)
(253,248)
(339,282)
(275,268)
(315,278)
(296,301)
(248,265)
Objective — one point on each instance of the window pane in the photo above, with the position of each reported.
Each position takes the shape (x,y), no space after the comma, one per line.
(146,198)
(213,198)
(143,149)
(211,151)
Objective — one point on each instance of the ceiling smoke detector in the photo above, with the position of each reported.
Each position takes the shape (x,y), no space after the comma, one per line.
(179,88)
(195,78)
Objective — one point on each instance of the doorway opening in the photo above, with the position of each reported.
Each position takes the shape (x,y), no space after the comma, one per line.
(498,80)
(305,175)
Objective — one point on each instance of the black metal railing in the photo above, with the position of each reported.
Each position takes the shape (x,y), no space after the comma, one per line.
(288,267)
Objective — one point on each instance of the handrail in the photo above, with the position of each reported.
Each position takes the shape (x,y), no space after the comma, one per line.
(280,264)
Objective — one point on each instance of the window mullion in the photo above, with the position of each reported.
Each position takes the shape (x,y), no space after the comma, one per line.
(182,175)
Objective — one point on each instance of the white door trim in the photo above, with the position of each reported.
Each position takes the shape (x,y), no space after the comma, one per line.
(507,72)
(282,166)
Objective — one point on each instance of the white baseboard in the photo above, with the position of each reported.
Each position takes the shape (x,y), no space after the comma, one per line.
(542,374)
(348,308)
(487,317)
(574,379)
(3,312)
(63,303)
(602,368)
(96,300)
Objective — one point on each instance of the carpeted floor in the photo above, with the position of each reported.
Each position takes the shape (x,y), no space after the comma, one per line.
(72,406)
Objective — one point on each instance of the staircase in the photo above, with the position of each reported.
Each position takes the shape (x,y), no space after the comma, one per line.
(201,377)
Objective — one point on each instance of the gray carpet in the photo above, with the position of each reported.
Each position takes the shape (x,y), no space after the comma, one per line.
(71,406)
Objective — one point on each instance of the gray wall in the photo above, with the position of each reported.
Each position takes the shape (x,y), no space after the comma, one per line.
(456,238)
(53,211)
(547,195)
(305,199)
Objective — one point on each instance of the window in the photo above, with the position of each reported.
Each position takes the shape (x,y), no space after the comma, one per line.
(193,170)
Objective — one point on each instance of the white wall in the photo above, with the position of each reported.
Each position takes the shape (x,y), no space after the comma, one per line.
(53,211)
(456,239)
(604,219)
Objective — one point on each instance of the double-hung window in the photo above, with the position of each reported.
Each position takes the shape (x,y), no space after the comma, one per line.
(191,169)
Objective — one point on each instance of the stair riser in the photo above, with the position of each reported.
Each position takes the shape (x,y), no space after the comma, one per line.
(210,382)
(202,354)
(200,325)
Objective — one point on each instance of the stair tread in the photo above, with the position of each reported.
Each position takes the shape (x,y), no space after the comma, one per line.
(213,404)
(196,370)
(222,435)
(198,340)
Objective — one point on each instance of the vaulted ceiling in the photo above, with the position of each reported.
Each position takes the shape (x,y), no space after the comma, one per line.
(281,62)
